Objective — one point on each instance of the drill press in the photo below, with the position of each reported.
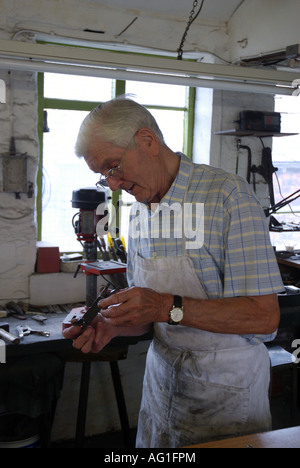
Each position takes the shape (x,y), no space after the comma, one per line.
(85,223)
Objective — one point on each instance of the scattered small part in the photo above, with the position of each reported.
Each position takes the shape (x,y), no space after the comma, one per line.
(39,318)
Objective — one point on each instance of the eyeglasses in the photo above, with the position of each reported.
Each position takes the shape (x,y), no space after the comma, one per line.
(115,173)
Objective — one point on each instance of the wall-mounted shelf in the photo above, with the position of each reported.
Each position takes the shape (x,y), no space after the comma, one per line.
(249,133)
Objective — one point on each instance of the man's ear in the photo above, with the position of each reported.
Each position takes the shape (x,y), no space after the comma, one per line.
(148,140)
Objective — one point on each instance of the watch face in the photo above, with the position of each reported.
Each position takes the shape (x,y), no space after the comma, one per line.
(176,314)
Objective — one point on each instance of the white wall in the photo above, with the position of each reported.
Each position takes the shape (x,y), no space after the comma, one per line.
(18,117)
(69,18)
(223,150)
(267,25)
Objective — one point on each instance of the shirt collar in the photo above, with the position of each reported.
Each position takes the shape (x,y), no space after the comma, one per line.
(175,195)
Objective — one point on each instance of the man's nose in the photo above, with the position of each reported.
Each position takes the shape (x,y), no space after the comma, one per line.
(114,184)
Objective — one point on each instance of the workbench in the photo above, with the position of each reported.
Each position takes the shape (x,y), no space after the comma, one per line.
(35,344)
(282,438)
(291,262)
(289,266)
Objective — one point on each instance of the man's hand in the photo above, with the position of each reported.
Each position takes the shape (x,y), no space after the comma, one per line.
(94,338)
(135,306)
(129,312)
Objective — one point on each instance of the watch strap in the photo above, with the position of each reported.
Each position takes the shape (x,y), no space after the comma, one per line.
(177,301)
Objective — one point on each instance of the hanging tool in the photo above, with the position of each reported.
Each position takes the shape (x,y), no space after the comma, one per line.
(249,165)
(5,335)
(102,247)
(120,250)
(266,170)
(111,247)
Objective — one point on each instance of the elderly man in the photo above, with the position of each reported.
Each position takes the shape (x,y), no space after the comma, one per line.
(211,300)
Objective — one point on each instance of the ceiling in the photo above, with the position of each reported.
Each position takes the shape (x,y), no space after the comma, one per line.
(213,10)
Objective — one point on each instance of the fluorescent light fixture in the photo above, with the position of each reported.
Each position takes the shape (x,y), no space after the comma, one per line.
(112,46)
(17,55)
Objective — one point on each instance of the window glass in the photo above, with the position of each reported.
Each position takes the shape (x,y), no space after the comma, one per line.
(63,172)
(79,88)
(286,157)
(171,124)
(157,93)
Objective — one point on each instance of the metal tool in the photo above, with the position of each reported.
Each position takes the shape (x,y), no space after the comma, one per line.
(120,250)
(102,247)
(249,165)
(23,331)
(14,310)
(9,337)
(93,310)
(39,318)
(266,170)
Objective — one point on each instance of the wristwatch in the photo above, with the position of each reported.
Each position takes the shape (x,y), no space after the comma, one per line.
(176,313)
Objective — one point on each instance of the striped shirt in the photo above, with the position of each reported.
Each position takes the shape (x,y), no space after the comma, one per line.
(233,256)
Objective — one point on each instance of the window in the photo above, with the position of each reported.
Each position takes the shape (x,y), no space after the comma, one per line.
(160,99)
(67,100)
(286,157)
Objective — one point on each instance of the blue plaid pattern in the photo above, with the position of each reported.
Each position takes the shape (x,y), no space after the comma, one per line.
(236,258)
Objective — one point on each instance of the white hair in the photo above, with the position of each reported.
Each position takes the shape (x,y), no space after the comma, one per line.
(115,121)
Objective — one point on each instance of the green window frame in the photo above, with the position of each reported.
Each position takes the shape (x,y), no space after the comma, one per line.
(78,105)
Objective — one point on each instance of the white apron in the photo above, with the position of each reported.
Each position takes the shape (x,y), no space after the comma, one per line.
(198,385)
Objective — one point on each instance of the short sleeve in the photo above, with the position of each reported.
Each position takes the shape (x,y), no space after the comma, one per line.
(250,264)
